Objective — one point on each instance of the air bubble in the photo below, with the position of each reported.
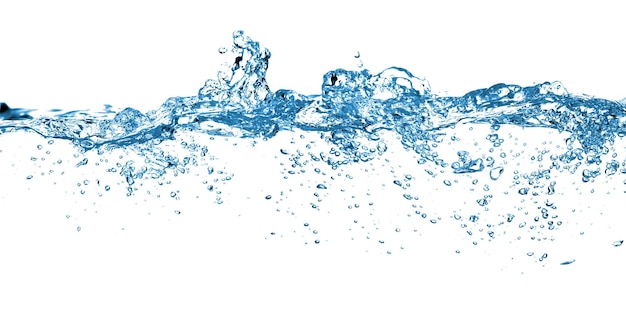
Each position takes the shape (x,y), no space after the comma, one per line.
(496,172)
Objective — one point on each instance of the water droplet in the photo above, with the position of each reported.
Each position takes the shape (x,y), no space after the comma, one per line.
(568,262)
(618,243)
(78,228)
(222,50)
(474,218)
(82,162)
(177,212)
(321,186)
(172,194)
(510,217)
(268,197)
(496,172)
(317,241)
(29,177)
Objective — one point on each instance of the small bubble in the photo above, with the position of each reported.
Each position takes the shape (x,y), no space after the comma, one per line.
(457,251)
(39,147)
(317,241)
(82,162)
(434,221)
(29,177)
(618,243)
(397,230)
(268,197)
(306,224)
(222,50)
(177,212)
(496,172)
(107,187)
(67,216)
(78,228)
(172,194)
(50,141)
(510,217)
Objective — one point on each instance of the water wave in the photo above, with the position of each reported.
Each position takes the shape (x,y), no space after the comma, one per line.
(351,114)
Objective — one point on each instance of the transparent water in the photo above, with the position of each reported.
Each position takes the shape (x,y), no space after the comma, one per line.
(376,163)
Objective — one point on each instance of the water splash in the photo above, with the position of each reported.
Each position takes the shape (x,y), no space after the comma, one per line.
(356,115)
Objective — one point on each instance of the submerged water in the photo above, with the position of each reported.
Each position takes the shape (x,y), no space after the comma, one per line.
(376,157)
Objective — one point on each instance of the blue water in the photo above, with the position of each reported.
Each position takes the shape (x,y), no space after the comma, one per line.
(360,115)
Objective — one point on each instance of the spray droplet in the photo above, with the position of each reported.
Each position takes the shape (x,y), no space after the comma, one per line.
(496,172)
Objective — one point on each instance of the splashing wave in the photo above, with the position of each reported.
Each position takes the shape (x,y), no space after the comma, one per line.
(351,113)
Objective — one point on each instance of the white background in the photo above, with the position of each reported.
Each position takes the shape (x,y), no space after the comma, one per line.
(81,55)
